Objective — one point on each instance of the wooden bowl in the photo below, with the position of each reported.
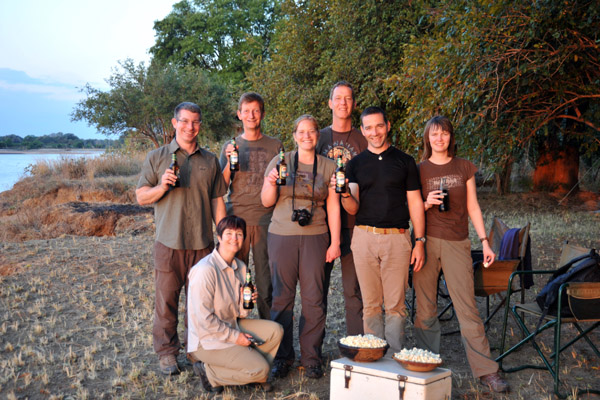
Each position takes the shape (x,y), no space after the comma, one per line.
(362,354)
(417,366)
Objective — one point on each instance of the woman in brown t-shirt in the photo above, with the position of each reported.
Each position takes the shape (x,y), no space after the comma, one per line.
(448,248)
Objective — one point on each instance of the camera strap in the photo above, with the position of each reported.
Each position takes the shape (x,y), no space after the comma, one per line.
(314,177)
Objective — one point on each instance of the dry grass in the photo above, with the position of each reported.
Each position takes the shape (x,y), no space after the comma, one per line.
(107,164)
(76,316)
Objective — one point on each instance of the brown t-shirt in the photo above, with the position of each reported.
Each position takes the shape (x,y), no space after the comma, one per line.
(245,186)
(453,224)
(346,144)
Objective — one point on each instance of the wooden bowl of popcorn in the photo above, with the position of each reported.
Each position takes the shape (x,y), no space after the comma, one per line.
(418,360)
(363,348)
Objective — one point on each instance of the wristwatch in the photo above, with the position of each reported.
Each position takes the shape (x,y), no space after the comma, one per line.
(421,239)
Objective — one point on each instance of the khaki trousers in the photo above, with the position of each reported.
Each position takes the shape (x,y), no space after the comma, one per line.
(382,263)
(454,259)
(240,365)
(352,297)
(256,238)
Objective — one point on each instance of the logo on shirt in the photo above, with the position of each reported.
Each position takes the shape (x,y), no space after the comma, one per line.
(340,148)
(453,180)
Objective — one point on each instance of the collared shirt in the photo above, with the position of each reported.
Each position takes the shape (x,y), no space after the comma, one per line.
(183,215)
(214,303)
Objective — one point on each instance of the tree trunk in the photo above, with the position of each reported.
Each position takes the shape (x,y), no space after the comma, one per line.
(503,178)
(557,169)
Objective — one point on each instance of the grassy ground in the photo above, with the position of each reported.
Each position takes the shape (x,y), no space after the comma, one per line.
(76,311)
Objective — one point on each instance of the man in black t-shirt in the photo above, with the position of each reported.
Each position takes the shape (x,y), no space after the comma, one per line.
(384,196)
(340,139)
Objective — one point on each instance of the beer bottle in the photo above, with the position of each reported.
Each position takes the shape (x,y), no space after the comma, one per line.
(340,176)
(281,169)
(175,169)
(234,162)
(247,291)
(445,205)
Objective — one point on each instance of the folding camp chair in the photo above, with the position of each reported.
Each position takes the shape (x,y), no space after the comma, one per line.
(584,305)
(494,280)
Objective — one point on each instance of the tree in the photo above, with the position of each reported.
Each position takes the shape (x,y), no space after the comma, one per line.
(141,101)
(221,36)
(319,42)
(517,78)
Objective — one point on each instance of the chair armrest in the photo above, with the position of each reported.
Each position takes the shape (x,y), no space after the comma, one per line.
(514,274)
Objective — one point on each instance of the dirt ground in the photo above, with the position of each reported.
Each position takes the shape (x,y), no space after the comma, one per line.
(76,315)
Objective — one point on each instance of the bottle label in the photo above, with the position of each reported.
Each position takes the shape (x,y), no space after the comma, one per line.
(247,294)
(340,179)
(233,158)
(282,171)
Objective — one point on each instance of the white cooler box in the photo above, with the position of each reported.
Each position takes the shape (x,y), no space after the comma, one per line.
(386,379)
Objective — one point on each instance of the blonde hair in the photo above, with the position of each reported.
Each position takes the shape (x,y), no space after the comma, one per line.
(305,117)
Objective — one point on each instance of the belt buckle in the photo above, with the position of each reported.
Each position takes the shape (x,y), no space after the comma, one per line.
(376,229)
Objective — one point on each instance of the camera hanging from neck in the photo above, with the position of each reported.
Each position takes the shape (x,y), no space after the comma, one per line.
(314,177)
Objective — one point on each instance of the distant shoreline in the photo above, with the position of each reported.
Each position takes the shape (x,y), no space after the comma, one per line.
(52,151)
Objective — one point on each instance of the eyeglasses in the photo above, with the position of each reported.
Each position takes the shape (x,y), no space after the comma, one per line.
(195,124)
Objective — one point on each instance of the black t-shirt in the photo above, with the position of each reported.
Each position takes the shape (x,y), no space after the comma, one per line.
(383,180)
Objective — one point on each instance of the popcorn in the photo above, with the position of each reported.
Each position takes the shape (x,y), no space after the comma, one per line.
(364,341)
(418,355)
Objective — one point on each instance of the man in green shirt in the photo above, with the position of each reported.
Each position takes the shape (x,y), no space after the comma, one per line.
(183,216)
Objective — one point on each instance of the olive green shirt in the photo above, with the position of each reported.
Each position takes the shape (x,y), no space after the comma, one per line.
(183,215)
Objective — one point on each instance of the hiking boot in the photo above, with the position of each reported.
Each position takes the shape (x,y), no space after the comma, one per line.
(313,372)
(495,382)
(264,386)
(168,364)
(201,372)
(280,369)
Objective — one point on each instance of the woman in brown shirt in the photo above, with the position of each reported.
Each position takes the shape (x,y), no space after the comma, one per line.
(448,248)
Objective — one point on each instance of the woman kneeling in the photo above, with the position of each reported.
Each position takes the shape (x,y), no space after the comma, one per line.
(224,343)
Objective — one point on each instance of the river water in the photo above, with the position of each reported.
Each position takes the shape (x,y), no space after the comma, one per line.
(13,166)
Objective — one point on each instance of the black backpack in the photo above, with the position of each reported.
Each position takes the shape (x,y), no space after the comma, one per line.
(585,268)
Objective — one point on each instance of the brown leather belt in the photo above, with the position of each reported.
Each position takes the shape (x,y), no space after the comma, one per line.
(381,231)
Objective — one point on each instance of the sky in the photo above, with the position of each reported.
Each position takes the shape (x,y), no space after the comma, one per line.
(51,49)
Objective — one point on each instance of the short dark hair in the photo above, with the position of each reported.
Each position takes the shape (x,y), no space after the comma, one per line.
(341,83)
(439,121)
(373,110)
(249,97)
(231,222)
(191,107)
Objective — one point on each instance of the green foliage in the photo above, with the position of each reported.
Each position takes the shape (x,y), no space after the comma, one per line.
(141,101)
(57,140)
(511,75)
(319,42)
(222,36)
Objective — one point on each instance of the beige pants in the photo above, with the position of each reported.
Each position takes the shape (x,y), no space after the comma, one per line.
(382,263)
(240,365)
(454,258)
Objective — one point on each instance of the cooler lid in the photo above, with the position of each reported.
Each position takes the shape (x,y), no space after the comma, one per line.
(390,369)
